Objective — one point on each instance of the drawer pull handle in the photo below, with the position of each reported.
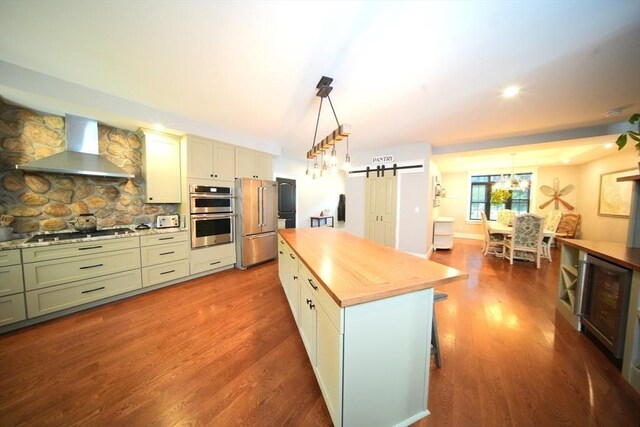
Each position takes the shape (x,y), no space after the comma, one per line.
(292,257)
(167,253)
(165,238)
(312,306)
(295,277)
(167,272)
(315,288)
(89,247)
(308,301)
(281,252)
(93,290)
(91,266)
(214,263)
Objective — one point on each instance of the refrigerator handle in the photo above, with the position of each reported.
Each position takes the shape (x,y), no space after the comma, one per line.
(259,206)
(262,207)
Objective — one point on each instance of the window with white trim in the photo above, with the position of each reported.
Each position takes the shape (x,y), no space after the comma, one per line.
(480,197)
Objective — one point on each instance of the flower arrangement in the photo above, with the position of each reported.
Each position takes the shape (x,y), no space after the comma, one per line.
(499,196)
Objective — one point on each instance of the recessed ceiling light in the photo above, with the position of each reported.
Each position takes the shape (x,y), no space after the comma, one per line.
(510,91)
(565,161)
(608,145)
(158,126)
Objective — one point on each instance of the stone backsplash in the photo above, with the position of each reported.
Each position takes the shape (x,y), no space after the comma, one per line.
(50,202)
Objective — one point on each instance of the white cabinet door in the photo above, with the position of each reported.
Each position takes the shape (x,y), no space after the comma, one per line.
(161,167)
(244,163)
(263,166)
(199,158)
(224,161)
(307,323)
(328,363)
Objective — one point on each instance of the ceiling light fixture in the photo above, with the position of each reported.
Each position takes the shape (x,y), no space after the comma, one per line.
(614,112)
(510,91)
(608,145)
(566,161)
(329,142)
(511,183)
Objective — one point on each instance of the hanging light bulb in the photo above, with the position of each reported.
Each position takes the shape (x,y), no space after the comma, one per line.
(316,169)
(334,156)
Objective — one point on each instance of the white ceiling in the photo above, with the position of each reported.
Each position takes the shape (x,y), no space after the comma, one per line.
(405,72)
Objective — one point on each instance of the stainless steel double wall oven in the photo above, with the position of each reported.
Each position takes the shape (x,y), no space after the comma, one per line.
(212,210)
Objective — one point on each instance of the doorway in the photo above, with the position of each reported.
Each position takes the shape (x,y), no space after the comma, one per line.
(287,201)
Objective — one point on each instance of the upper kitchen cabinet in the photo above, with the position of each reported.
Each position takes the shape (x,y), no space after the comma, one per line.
(160,166)
(253,164)
(208,159)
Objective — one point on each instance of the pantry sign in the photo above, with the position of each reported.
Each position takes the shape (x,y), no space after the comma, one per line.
(377,160)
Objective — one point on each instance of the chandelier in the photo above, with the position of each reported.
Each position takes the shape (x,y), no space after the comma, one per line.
(318,150)
(511,182)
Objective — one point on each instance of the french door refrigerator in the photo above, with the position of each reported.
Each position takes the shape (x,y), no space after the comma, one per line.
(257,221)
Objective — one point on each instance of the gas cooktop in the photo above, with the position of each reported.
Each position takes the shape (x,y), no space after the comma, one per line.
(68,235)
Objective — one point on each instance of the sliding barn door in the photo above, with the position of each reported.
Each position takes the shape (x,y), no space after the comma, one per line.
(380,210)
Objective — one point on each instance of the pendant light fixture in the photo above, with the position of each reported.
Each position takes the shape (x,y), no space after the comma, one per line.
(511,182)
(329,142)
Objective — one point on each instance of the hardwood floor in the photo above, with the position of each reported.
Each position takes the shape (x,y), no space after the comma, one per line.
(224,350)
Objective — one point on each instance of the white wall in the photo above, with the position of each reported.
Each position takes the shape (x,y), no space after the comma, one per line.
(413,230)
(312,196)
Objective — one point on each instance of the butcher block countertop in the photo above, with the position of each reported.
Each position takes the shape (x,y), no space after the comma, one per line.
(354,270)
(617,253)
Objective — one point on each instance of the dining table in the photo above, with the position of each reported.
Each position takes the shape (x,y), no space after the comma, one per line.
(500,228)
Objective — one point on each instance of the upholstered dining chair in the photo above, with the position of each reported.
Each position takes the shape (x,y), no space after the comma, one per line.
(506,216)
(493,242)
(525,241)
(551,222)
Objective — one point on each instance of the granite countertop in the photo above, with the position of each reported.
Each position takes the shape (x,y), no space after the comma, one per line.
(354,270)
(21,243)
(617,253)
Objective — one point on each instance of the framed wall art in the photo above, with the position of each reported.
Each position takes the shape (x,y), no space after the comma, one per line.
(615,197)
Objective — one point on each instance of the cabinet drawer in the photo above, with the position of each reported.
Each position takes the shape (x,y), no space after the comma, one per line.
(49,273)
(153,255)
(57,298)
(159,239)
(11,280)
(205,259)
(320,294)
(12,309)
(46,253)
(443,228)
(443,241)
(9,257)
(165,272)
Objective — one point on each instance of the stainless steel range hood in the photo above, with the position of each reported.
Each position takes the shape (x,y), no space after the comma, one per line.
(81,157)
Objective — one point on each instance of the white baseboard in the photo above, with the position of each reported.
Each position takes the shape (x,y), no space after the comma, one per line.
(425,256)
(468,236)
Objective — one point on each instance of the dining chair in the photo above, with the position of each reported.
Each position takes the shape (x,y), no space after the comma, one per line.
(506,216)
(568,226)
(525,241)
(551,222)
(493,242)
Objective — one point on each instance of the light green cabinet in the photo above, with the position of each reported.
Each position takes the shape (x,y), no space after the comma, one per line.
(253,164)
(12,306)
(160,167)
(207,159)
(165,257)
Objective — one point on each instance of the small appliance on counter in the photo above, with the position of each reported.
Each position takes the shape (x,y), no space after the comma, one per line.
(167,221)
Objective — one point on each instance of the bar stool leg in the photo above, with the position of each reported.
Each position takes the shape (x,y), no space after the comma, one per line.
(435,342)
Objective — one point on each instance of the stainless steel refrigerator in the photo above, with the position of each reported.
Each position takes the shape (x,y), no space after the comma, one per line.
(256,221)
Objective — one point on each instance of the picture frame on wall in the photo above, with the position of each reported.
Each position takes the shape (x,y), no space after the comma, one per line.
(615,197)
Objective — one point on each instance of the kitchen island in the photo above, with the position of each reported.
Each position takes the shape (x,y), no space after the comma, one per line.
(364,312)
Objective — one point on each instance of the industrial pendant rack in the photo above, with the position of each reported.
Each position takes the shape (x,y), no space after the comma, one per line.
(329,142)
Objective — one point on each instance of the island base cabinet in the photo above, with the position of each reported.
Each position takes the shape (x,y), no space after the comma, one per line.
(307,322)
(48,300)
(328,364)
(12,309)
(397,331)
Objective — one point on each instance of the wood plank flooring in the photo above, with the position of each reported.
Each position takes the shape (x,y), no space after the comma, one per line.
(224,350)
